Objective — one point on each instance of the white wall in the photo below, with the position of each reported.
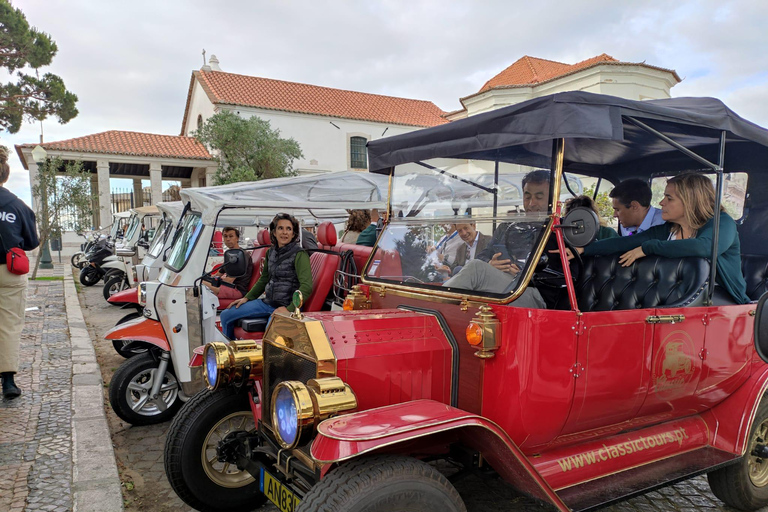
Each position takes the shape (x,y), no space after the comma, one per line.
(199,104)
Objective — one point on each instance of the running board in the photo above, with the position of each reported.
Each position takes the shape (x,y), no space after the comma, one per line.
(620,486)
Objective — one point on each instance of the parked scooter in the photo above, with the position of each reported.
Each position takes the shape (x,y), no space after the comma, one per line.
(98,253)
(180,314)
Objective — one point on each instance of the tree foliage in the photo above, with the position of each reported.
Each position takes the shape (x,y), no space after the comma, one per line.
(58,197)
(248,149)
(29,96)
(603,203)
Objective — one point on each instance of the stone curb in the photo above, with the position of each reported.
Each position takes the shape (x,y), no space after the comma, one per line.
(95,481)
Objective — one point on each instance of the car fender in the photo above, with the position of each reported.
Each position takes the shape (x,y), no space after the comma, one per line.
(732,434)
(352,435)
(117,264)
(127,296)
(140,329)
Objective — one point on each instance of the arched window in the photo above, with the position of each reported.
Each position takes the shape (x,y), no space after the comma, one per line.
(199,122)
(358,157)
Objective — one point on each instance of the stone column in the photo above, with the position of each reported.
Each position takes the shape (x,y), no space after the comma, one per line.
(156,181)
(138,192)
(95,216)
(210,173)
(32,180)
(105,197)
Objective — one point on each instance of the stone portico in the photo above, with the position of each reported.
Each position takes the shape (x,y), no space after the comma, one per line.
(129,155)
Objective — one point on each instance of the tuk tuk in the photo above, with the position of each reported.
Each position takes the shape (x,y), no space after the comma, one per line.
(577,383)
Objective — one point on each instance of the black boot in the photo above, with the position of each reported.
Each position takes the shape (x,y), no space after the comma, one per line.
(10,390)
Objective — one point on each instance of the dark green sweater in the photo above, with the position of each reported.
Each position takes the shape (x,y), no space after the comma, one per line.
(303,271)
(655,242)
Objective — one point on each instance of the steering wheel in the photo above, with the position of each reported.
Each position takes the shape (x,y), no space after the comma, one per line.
(546,276)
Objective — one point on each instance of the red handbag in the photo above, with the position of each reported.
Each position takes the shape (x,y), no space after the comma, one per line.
(16,260)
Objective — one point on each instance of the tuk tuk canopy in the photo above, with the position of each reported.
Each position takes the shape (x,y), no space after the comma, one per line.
(334,191)
(600,138)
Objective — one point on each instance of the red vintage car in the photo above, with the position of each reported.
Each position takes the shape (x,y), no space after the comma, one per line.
(578,383)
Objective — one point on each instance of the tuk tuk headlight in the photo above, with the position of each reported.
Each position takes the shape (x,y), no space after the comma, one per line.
(231,363)
(142,294)
(297,408)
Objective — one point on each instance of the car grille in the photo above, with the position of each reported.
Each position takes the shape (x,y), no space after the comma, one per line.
(281,365)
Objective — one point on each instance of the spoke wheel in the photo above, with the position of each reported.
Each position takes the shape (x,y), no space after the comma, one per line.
(745,485)
(114,285)
(190,458)
(130,392)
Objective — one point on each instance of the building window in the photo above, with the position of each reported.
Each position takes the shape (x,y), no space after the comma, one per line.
(358,157)
(199,122)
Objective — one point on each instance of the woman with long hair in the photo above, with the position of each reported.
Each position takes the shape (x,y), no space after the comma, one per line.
(688,208)
(356,223)
(286,269)
(605,230)
(17,230)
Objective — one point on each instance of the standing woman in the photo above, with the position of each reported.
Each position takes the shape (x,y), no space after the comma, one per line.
(688,208)
(17,229)
(286,269)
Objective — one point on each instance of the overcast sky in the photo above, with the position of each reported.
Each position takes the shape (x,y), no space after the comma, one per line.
(130,62)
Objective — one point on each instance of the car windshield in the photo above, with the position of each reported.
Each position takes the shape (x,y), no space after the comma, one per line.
(133,225)
(185,241)
(448,213)
(161,235)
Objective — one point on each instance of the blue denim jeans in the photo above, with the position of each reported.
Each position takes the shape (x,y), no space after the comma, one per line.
(251,309)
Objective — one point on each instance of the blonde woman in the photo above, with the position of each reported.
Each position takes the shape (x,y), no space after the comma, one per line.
(688,209)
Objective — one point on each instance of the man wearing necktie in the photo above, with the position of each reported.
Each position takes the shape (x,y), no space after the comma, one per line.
(632,207)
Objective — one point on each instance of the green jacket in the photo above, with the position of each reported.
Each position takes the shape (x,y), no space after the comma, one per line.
(606,232)
(655,242)
(303,271)
(367,236)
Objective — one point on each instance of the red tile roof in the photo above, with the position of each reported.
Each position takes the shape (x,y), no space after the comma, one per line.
(528,71)
(131,143)
(251,91)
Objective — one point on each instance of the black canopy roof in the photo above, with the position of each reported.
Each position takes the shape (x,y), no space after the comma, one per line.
(599,140)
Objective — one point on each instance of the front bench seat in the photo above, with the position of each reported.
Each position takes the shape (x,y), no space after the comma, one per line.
(755,270)
(651,282)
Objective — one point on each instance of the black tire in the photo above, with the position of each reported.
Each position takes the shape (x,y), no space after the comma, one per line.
(383,484)
(110,273)
(113,285)
(744,485)
(120,345)
(89,276)
(191,442)
(132,382)
(75,260)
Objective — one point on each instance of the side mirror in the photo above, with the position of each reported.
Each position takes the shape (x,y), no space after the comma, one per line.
(143,243)
(580,226)
(235,262)
(761,328)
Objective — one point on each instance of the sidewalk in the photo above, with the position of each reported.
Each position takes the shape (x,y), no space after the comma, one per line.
(55,449)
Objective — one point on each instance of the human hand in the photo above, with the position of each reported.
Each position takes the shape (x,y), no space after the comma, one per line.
(629,257)
(504,265)
(282,310)
(237,303)
(568,253)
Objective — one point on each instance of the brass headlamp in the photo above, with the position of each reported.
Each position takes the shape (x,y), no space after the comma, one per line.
(231,363)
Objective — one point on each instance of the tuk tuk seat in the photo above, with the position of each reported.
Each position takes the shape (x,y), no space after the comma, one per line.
(257,257)
(650,282)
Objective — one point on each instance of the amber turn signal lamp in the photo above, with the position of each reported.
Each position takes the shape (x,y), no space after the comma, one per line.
(348,305)
(474,334)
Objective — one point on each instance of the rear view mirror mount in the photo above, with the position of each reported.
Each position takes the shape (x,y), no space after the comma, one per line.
(580,226)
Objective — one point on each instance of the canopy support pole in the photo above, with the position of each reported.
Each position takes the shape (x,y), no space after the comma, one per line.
(675,144)
(495,192)
(716,221)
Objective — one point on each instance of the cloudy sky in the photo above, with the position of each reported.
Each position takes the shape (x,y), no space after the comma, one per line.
(130,62)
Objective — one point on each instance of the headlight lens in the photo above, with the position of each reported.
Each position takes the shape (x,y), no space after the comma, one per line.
(142,297)
(231,363)
(286,418)
(211,368)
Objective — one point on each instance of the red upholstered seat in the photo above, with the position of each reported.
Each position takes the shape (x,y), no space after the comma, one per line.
(326,235)
(217,243)
(257,255)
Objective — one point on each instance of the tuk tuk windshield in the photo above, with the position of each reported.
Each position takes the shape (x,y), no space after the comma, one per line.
(451,218)
(185,241)
(133,225)
(161,235)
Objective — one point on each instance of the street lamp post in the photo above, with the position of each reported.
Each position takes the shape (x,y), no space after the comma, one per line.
(39,155)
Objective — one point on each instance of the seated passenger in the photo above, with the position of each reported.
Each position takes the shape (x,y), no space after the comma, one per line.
(239,285)
(632,207)
(473,243)
(688,209)
(357,221)
(605,230)
(495,272)
(286,269)
(368,236)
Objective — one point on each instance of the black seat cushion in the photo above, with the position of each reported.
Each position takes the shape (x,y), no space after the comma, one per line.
(650,282)
(254,324)
(755,270)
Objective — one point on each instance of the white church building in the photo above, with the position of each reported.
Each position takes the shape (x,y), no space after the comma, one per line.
(332,126)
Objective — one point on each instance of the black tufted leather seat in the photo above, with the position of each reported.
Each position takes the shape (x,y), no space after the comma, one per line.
(650,282)
(755,270)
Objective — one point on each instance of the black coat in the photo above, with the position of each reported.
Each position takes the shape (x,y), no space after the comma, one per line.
(17,224)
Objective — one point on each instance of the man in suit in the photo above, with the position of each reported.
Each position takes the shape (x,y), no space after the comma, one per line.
(473,243)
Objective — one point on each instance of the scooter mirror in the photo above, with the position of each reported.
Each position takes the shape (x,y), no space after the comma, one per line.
(235,262)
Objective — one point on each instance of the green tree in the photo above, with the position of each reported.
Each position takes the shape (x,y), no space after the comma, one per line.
(59,196)
(603,203)
(29,96)
(248,149)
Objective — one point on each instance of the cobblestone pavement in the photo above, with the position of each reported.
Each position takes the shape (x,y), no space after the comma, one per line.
(139,451)
(35,429)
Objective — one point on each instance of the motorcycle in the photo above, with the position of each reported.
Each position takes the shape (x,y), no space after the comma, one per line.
(97,254)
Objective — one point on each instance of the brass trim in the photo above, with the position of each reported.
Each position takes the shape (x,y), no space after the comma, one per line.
(489,323)
(752,312)
(665,319)
(302,400)
(304,338)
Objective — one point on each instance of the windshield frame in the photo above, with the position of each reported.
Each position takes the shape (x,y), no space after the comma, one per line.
(160,237)
(177,237)
(133,224)
(556,173)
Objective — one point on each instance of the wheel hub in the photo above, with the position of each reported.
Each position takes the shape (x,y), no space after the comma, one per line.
(758,456)
(219,451)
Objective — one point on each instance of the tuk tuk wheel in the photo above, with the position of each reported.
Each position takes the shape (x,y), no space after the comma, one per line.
(129,392)
(110,273)
(89,276)
(77,261)
(190,453)
(745,485)
(113,285)
(383,484)
(120,345)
